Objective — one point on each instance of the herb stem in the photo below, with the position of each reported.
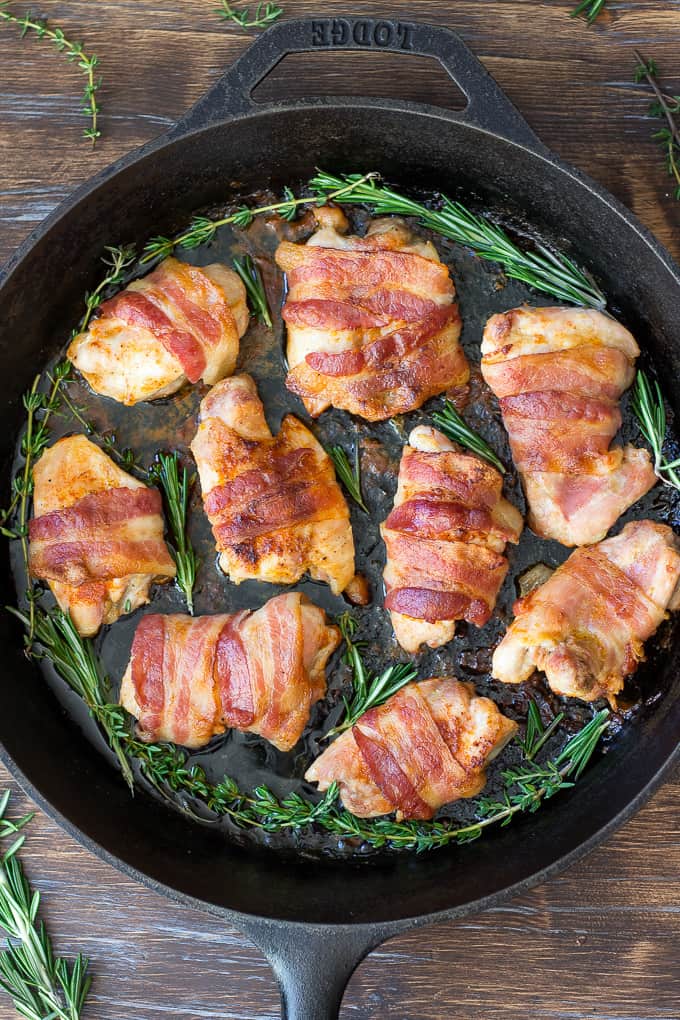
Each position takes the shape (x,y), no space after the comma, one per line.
(176,488)
(453,425)
(349,475)
(252,281)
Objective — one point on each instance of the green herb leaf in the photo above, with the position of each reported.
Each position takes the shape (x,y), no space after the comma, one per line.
(648,407)
(453,425)
(666,108)
(590,8)
(349,475)
(257,296)
(176,487)
(263,15)
(544,270)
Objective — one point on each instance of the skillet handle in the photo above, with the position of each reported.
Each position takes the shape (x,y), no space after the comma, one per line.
(313,964)
(488,107)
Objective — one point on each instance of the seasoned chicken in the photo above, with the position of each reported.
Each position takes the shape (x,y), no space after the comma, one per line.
(178,323)
(190,678)
(97,534)
(585,627)
(273,501)
(372,323)
(426,746)
(445,539)
(558,374)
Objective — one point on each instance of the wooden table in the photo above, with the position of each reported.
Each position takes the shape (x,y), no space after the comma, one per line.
(602,940)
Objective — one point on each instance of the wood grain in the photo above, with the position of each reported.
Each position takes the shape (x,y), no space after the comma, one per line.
(601,941)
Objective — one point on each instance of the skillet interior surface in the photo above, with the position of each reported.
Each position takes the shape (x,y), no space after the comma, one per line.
(39,303)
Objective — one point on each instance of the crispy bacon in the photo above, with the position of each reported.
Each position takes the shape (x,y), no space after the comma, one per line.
(191,678)
(558,374)
(372,323)
(273,501)
(97,537)
(585,627)
(179,322)
(445,539)
(426,746)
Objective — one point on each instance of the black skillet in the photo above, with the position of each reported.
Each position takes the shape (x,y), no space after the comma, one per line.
(316,918)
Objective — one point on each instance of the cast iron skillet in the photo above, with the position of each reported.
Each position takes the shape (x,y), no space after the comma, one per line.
(316,919)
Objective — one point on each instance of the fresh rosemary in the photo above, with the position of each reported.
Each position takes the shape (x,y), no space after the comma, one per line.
(648,407)
(252,280)
(544,270)
(264,14)
(666,108)
(590,9)
(42,986)
(201,230)
(536,733)
(452,425)
(349,475)
(74,52)
(367,691)
(176,487)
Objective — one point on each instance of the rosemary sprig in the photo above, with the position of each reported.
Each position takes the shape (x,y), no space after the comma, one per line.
(367,691)
(117,261)
(264,14)
(176,487)
(666,108)
(589,8)
(544,270)
(349,475)
(201,230)
(74,52)
(536,733)
(252,280)
(453,425)
(42,986)
(648,407)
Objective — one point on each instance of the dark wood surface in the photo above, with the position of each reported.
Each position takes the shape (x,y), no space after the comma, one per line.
(602,940)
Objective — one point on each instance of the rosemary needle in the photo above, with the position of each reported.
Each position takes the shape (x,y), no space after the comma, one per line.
(176,488)
(648,408)
(453,425)
(252,281)
(349,475)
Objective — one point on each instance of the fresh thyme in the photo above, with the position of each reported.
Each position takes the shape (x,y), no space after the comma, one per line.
(648,407)
(252,280)
(453,425)
(590,9)
(367,691)
(74,52)
(666,108)
(117,261)
(349,475)
(544,270)
(263,15)
(176,486)
(42,986)
(202,230)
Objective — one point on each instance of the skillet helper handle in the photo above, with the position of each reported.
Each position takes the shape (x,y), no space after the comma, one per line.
(488,107)
(313,964)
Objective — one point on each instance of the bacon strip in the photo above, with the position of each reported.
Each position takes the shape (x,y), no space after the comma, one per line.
(426,746)
(585,626)
(372,324)
(190,679)
(559,374)
(135,309)
(273,501)
(444,539)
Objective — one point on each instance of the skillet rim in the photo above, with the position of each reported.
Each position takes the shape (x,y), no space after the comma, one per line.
(98,182)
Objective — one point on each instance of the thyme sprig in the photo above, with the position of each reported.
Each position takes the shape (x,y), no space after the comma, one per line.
(263,15)
(42,986)
(450,422)
(649,409)
(590,9)
(202,229)
(176,486)
(367,691)
(74,52)
(117,261)
(349,474)
(666,108)
(252,281)
(544,269)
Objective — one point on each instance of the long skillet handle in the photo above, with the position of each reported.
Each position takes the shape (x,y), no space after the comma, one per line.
(487,108)
(314,963)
